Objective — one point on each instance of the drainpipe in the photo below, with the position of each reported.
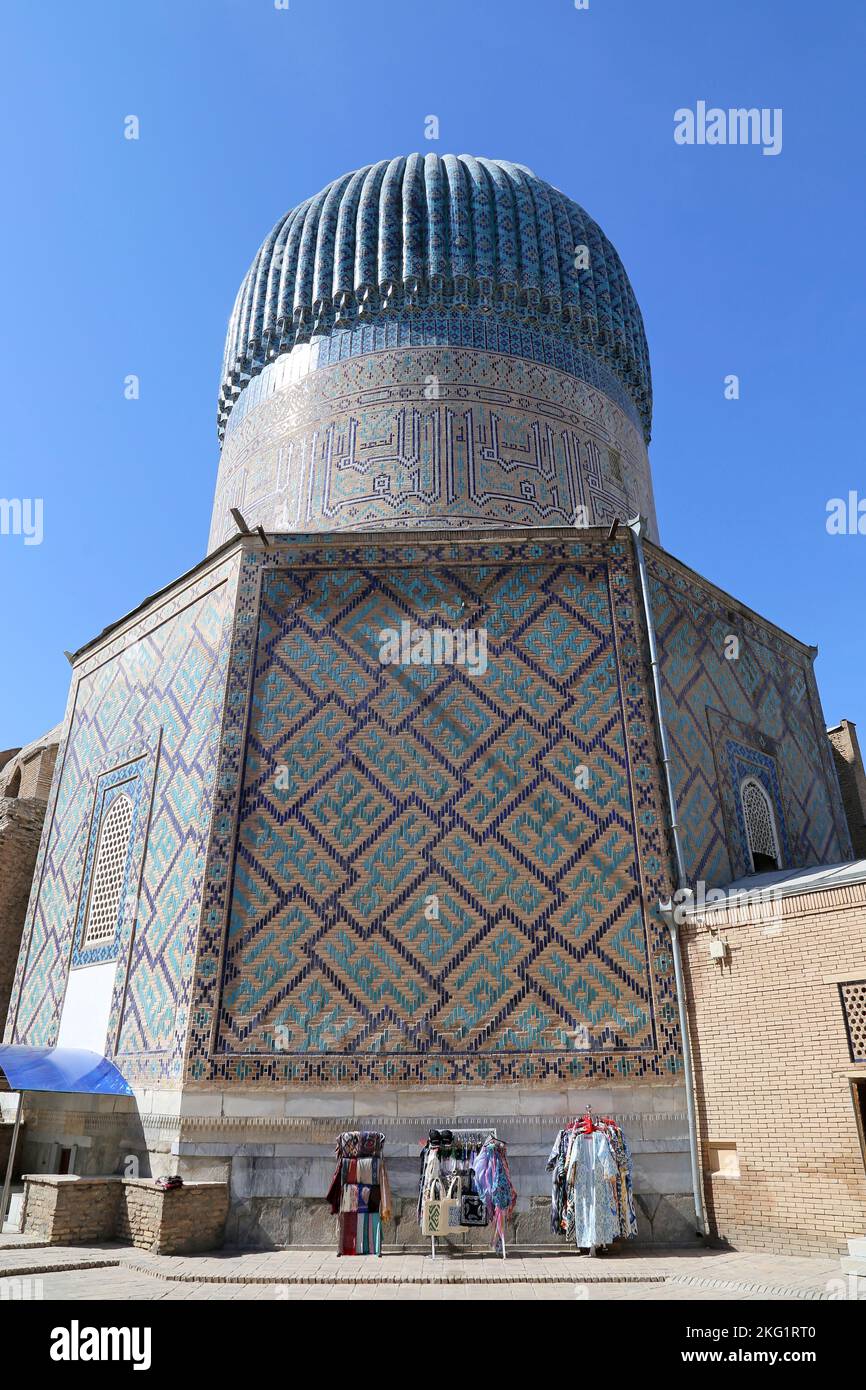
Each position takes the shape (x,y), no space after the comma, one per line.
(668,912)
(637,526)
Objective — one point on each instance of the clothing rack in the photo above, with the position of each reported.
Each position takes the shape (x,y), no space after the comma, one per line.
(467,1138)
(585,1123)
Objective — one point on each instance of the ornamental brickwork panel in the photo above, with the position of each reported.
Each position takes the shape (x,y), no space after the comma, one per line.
(147,701)
(442,869)
(756,712)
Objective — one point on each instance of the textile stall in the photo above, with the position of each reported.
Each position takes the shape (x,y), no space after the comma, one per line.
(464,1183)
(592,1202)
(360,1194)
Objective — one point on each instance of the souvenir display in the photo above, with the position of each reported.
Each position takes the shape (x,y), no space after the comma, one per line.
(360,1195)
(592,1203)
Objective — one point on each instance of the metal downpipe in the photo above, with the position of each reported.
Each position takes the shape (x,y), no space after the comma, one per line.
(636,526)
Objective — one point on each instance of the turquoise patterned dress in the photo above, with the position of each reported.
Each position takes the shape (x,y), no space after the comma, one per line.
(589,1168)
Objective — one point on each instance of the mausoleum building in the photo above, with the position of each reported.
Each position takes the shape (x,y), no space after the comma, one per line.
(290,887)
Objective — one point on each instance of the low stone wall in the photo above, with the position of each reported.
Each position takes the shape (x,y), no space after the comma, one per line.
(68,1210)
(71,1210)
(184,1220)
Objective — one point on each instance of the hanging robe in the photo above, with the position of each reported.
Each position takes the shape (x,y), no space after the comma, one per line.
(589,1168)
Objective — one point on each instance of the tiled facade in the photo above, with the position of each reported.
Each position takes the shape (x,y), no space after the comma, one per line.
(399,893)
(402,782)
(757,713)
(150,693)
(300,805)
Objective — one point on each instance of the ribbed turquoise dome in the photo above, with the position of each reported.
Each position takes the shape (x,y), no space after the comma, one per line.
(450,232)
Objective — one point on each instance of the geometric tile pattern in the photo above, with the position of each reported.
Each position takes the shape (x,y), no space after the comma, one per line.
(766,701)
(431,328)
(366,792)
(152,689)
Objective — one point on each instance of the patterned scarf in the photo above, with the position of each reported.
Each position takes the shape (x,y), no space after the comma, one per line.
(493,1180)
(359,1144)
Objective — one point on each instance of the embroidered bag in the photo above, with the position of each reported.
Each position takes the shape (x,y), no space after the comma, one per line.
(473,1210)
(451,1207)
(431,1216)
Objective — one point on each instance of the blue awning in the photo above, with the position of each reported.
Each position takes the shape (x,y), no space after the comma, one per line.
(69,1069)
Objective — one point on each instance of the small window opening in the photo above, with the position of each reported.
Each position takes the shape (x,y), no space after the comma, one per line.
(760,822)
(109,869)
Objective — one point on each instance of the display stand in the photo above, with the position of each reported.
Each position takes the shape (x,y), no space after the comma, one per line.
(465,1138)
(359,1145)
(585,1124)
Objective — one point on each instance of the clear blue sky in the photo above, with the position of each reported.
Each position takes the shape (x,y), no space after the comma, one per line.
(121,257)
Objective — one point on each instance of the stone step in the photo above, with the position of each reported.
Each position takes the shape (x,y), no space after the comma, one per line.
(858,1267)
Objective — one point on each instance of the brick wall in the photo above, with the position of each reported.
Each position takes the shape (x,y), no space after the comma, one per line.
(27,772)
(852,781)
(773,1071)
(183,1221)
(20,829)
(70,1210)
(67,1210)
(37,769)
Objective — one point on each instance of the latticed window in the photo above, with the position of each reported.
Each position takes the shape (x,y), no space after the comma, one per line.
(853,994)
(760,826)
(109,871)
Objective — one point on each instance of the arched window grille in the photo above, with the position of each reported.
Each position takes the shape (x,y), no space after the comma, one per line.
(760,822)
(109,872)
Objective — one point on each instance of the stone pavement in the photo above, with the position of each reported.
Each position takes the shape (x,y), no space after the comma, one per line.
(115,1271)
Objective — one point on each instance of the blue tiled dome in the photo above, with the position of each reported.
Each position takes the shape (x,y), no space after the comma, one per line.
(435,232)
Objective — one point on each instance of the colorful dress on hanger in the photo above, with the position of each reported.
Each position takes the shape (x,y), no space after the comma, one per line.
(494,1185)
(589,1167)
(560,1192)
(623,1189)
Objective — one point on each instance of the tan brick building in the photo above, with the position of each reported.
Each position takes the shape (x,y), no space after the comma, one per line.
(852,780)
(25,781)
(778,1030)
